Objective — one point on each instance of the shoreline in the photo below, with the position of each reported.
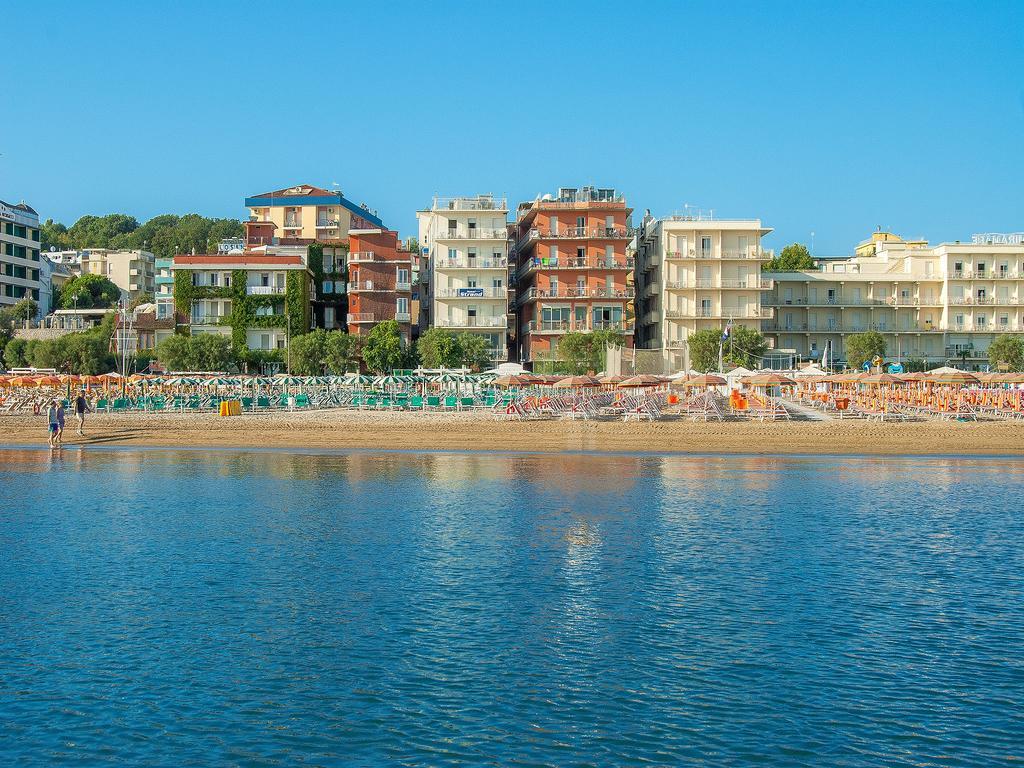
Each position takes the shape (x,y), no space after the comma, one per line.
(477,432)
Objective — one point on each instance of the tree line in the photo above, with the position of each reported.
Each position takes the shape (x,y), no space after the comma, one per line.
(163,235)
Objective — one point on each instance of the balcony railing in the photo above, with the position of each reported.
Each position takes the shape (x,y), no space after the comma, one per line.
(564,326)
(328,223)
(360,317)
(292,223)
(370,286)
(403,317)
(471,293)
(577,293)
(737,313)
(500,321)
(263,290)
(403,285)
(473,234)
(542,263)
(362,257)
(477,263)
(696,254)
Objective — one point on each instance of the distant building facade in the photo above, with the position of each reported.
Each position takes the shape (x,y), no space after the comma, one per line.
(379,282)
(304,214)
(571,269)
(19,254)
(465,285)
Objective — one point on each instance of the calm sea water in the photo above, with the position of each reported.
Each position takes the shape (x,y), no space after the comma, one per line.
(196,608)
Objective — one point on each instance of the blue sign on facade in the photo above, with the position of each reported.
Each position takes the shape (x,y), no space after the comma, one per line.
(472,292)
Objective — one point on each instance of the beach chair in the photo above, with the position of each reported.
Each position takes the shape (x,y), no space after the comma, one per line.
(416,402)
(247,403)
(466,402)
(302,401)
(433,401)
(262,401)
(450,403)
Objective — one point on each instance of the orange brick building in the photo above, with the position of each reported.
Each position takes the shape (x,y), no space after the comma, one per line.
(379,282)
(572,272)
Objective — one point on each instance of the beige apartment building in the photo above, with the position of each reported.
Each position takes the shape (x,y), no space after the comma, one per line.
(942,303)
(465,285)
(133,272)
(304,214)
(695,272)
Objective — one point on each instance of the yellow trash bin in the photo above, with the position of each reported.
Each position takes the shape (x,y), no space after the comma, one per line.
(231,408)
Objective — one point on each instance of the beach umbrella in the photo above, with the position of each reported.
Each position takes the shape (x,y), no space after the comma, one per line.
(23,381)
(616,379)
(643,380)
(881,378)
(706,380)
(953,376)
(511,381)
(769,380)
(916,376)
(48,381)
(577,382)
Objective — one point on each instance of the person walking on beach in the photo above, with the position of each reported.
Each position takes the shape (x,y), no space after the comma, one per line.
(81,408)
(54,426)
(60,422)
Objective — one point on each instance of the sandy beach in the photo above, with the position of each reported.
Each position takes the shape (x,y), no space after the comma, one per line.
(338,429)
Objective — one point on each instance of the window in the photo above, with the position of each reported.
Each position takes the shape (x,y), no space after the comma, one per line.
(705,246)
(402,305)
(453,254)
(328,317)
(214,279)
(403,275)
(328,286)
(264,341)
(265,281)
(554,286)
(981,267)
(581,222)
(581,253)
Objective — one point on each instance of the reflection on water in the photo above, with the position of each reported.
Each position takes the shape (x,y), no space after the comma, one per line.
(260,608)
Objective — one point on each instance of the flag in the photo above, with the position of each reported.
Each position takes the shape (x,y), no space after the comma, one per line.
(727,331)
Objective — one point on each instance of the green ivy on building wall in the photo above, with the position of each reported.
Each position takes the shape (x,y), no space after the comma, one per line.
(294,305)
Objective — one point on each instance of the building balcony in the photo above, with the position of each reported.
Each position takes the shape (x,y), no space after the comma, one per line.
(471,293)
(532,294)
(403,286)
(369,286)
(478,203)
(363,257)
(543,265)
(403,317)
(577,233)
(328,223)
(292,224)
(360,317)
(710,283)
(500,321)
(442,264)
(263,290)
(472,234)
(695,254)
(559,326)
(727,313)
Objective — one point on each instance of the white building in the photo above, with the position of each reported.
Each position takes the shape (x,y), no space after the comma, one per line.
(695,272)
(942,303)
(19,254)
(464,286)
(51,278)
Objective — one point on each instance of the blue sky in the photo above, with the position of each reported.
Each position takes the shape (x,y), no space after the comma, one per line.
(831,118)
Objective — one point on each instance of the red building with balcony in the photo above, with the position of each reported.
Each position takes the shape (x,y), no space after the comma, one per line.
(572,272)
(379,282)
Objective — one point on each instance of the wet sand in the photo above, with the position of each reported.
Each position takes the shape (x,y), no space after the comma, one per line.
(338,429)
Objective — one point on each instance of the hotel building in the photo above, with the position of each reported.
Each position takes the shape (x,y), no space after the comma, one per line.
(695,272)
(465,282)
(244,296)
(304,214)
(19,254)
(941,303)
(131,271)
(379,282)
(572,272)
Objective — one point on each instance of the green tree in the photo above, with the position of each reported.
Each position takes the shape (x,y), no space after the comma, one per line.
(864,347)
(209,352)
(703,349)
(474,352)
(15,354)
(342,352)
(53,234)
(383,350)
(173,352)
(164,235)
(26,309)
(745,346)
(88,291)
(309,353)
(1007,348)
(581,353)
(439,348)
(794,258)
